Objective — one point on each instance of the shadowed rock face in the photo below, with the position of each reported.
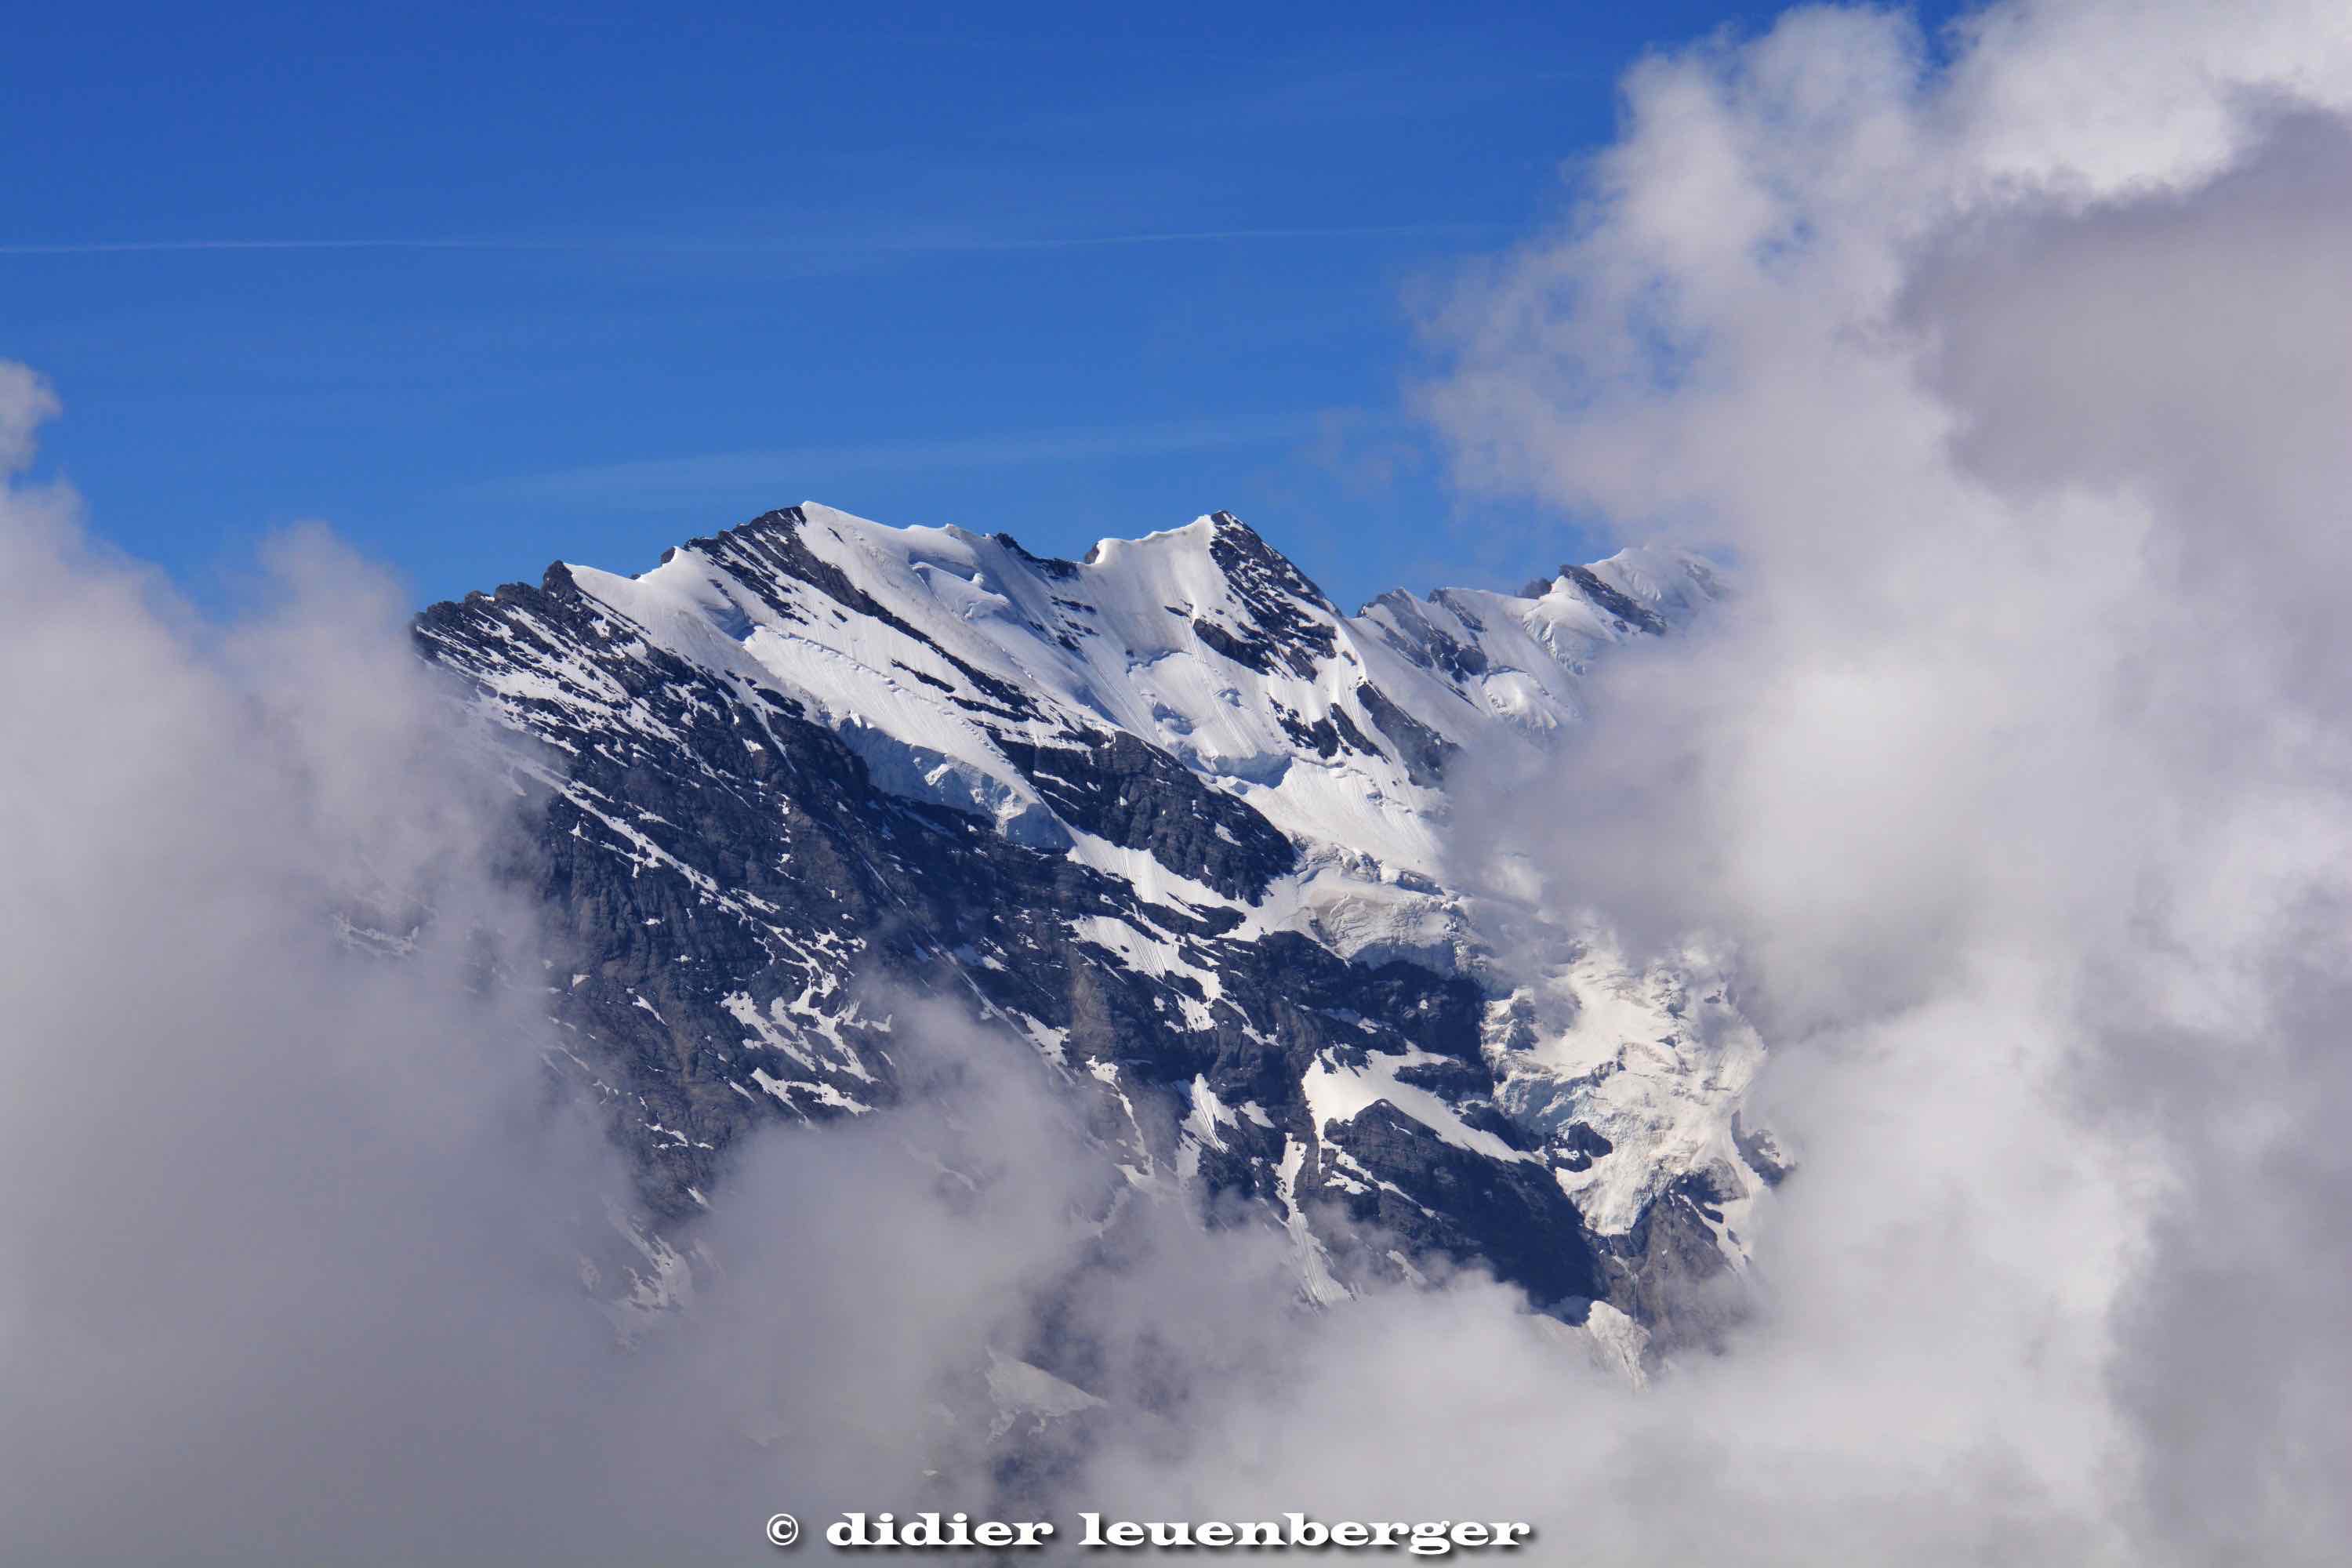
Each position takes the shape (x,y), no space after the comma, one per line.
(1165,812)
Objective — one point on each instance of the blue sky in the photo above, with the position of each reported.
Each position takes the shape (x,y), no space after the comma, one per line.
(483,291)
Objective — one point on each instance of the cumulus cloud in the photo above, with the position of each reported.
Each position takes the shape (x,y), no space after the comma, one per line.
(293,1231)
(2015,382)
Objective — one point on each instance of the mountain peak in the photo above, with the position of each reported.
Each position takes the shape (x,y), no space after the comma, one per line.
(1168,813)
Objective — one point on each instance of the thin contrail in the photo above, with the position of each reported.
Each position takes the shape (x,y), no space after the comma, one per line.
(1183,237)
(1066,242)
(124,246)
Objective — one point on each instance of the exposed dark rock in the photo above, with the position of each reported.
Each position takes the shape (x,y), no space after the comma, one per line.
(1511,1216)
(1613,602)
(1669,1273)
(1130,791)
(1423,750)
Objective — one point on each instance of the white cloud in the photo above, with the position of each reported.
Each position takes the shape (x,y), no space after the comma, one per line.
(2017,387)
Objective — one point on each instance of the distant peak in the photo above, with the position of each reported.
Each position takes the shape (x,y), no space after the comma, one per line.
(782,520)
(1244,556)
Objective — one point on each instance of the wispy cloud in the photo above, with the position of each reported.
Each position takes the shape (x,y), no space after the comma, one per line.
(657,483)
(800,245)
(139,246)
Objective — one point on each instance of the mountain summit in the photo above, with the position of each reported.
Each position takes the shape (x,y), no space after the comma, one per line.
(1168,813)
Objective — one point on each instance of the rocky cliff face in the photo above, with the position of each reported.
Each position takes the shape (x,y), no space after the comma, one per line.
(1167,813)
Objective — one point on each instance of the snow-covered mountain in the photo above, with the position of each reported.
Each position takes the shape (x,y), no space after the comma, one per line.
(1168,813)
